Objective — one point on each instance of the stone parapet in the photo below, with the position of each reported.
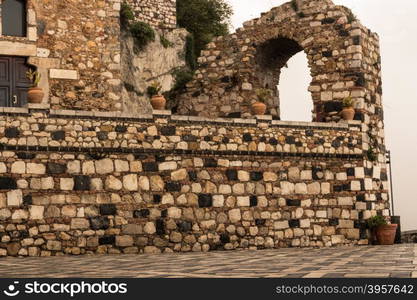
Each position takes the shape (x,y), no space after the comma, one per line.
(74,182)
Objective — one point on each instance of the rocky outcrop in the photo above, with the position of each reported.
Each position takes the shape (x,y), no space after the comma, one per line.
(156,62)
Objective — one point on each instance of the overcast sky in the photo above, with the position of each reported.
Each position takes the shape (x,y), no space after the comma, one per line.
(396,24)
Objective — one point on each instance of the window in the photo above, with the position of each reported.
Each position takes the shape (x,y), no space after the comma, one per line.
(13,17)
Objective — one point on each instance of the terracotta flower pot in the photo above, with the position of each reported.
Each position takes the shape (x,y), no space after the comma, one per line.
(385,234)
(158,102)
(258,108)
(348,113)
(35,95)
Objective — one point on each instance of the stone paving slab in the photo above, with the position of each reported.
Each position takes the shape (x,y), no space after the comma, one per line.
(397,261)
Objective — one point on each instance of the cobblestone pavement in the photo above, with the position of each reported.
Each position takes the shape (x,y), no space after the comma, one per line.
(358,261)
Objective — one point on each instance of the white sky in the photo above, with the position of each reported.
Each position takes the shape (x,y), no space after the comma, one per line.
(396,24)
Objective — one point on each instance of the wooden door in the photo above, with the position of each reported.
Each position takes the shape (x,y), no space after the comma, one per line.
(13,81)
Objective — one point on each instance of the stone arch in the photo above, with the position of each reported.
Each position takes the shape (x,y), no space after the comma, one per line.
(333,41)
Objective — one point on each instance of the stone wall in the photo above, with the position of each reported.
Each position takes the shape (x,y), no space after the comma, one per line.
(158,13)
(75,46)
(80,182)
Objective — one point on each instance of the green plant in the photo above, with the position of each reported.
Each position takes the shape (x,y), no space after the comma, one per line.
(182,77)
(142,33)
(348,102)
(263,95)
(205,19)
(376,221)
(371,155)
(294,5)
(126,14)
(301,14)
(154,89)
(350,15)
(34,77)
(190,56)
(165,42)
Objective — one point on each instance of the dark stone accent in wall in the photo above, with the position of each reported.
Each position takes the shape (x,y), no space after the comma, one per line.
(256,176)
(225,140)
(81,183)
(331,106)
(360,197)
(55,168)
(360,81)
(7,183)
(368,172)
(294,223)
(333,222)
(273,141)
(160,226)
(164,213)
(260,222)
(173,186)
(369,205)
(336,143)
(141,213)
(108,209)
(192,175)
(25,155)
(210,163)
(328,21)
(101,135)
(157,198)
(58,135)
(343,33)
(27,200)
(362,185)
(337,188)
(247,137)
(327,53)
(159,158)
(291,202)
(309,132)
(235,115)
(356,40)
(290,140)
(120,129)
(207,138)
(384,176)
(350,171)
(150,167)
(168,130)
(253,200)
(107,240)
(98,223)
(184,226)
(231,174)
(189,138)
(205,200)
(317,173)
(11,132)
(224,238)
(363,234)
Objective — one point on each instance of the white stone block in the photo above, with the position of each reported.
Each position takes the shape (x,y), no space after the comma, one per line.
(63,74)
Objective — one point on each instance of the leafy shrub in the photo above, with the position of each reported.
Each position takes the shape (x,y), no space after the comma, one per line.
(294,5)
(126,14)
(154,89)
(190,57)
(142,33)
(165,42)
(182,77)
(205,19)
(376,221)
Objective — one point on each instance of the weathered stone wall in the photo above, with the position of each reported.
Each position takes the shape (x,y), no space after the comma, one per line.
(158,13)
(75,46)
(82,182)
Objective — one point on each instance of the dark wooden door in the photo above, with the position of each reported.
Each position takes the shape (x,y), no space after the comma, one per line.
(13,81)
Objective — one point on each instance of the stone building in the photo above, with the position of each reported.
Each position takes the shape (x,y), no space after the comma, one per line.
(90,171)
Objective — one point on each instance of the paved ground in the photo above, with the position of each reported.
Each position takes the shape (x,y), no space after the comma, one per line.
(360,261)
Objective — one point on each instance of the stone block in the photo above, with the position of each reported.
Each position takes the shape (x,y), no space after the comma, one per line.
(104,166)
(130,182)
(62,73)
(14,198)
(80,223)
(124,241)
(36,212)
(66,184)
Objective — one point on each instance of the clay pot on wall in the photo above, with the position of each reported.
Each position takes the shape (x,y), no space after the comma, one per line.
(258,108)
(348,112)
(158,102)
(35,95)
(385,234)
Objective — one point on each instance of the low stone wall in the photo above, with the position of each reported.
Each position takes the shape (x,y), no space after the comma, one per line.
(409,236)
(76,182)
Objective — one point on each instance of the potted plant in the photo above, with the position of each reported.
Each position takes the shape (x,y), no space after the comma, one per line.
(348,112)
(35,93)
(158,101)
(384,232)
(259,107)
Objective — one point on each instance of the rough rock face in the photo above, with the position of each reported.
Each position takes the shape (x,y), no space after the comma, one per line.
(155,62)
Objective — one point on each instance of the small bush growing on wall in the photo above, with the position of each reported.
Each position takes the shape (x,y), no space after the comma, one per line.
(190,57)
(142,33)
(126,14)
(165,42)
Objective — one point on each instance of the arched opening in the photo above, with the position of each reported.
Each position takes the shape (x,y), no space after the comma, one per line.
(13,17)
(273,59)
(296,103)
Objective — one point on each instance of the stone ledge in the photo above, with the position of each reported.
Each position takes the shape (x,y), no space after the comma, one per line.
(39,106)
